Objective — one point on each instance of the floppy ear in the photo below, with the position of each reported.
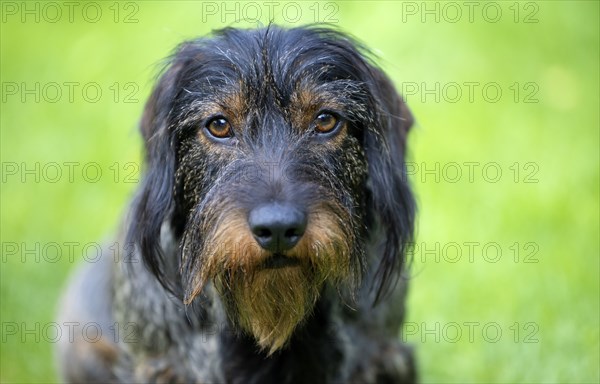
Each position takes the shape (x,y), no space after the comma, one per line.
(154,203)
(390,196)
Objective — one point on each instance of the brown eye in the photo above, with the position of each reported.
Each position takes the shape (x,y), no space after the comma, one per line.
(219,127)
(325,122)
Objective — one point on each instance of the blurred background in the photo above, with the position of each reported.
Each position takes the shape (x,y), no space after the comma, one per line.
(504,160)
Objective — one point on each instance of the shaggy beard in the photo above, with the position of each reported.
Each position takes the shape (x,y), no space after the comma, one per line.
(271,303)
(268,303)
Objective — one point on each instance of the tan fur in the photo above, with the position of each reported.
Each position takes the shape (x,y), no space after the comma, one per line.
(271,303)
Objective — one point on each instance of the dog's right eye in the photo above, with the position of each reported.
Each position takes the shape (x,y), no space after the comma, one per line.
(326,122)
(219,127)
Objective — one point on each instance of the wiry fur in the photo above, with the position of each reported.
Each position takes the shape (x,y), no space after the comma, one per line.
(202,305)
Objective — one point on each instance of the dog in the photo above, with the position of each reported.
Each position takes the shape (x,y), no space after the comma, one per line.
(267,240)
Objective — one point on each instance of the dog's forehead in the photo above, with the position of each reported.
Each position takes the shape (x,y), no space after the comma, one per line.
(297,72)
(272,59)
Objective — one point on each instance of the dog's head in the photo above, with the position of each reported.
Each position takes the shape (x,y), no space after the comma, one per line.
(271,155)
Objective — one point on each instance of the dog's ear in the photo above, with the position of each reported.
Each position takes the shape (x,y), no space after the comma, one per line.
(390,197)
(154,203)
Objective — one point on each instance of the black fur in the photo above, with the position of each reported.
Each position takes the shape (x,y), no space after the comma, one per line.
(204,65)
(362,182)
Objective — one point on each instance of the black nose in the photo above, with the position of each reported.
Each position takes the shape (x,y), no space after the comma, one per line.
(277,227)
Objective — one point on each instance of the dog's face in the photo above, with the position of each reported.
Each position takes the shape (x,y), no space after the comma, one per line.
(271,155)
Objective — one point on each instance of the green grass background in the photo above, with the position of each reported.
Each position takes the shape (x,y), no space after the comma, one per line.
(553,303)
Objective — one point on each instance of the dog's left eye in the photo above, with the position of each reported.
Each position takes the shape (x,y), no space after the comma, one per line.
(326,122)
(219,127)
